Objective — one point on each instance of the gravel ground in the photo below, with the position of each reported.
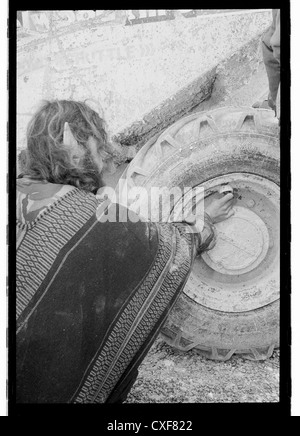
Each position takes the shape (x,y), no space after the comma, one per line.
(168,375)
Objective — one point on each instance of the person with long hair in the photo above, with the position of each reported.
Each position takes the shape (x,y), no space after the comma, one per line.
(91,295)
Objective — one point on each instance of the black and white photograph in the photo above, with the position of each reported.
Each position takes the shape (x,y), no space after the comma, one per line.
(149,267)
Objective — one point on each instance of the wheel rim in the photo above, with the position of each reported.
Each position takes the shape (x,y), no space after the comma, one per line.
(243,252)
(241,273)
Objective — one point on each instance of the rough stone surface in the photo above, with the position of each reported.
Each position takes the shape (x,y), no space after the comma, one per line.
(168,375)
(131,73)
(237,80)
(240,80)
(168,112)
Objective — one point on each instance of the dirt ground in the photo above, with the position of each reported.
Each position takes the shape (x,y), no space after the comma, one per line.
(168,375)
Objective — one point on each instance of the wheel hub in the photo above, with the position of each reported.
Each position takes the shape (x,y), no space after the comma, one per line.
(242,243)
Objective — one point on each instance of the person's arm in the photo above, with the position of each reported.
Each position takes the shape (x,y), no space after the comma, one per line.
(217,211)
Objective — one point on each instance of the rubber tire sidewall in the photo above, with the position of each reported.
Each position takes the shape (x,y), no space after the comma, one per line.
(218,155)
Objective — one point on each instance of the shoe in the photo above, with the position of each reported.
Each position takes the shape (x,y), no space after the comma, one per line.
(262,104)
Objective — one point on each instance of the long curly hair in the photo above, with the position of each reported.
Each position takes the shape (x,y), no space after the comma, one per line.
(48,158)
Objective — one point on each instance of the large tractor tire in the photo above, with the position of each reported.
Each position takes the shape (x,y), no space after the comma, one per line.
(230,303)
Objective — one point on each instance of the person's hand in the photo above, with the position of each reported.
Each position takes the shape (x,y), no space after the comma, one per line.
(220,209)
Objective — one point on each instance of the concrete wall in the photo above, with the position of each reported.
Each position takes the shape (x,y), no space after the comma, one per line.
(130,72)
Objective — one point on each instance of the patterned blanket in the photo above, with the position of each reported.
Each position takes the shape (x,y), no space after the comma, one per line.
(91,296)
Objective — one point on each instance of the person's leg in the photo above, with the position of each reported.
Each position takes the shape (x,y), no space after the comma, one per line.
(273,73)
